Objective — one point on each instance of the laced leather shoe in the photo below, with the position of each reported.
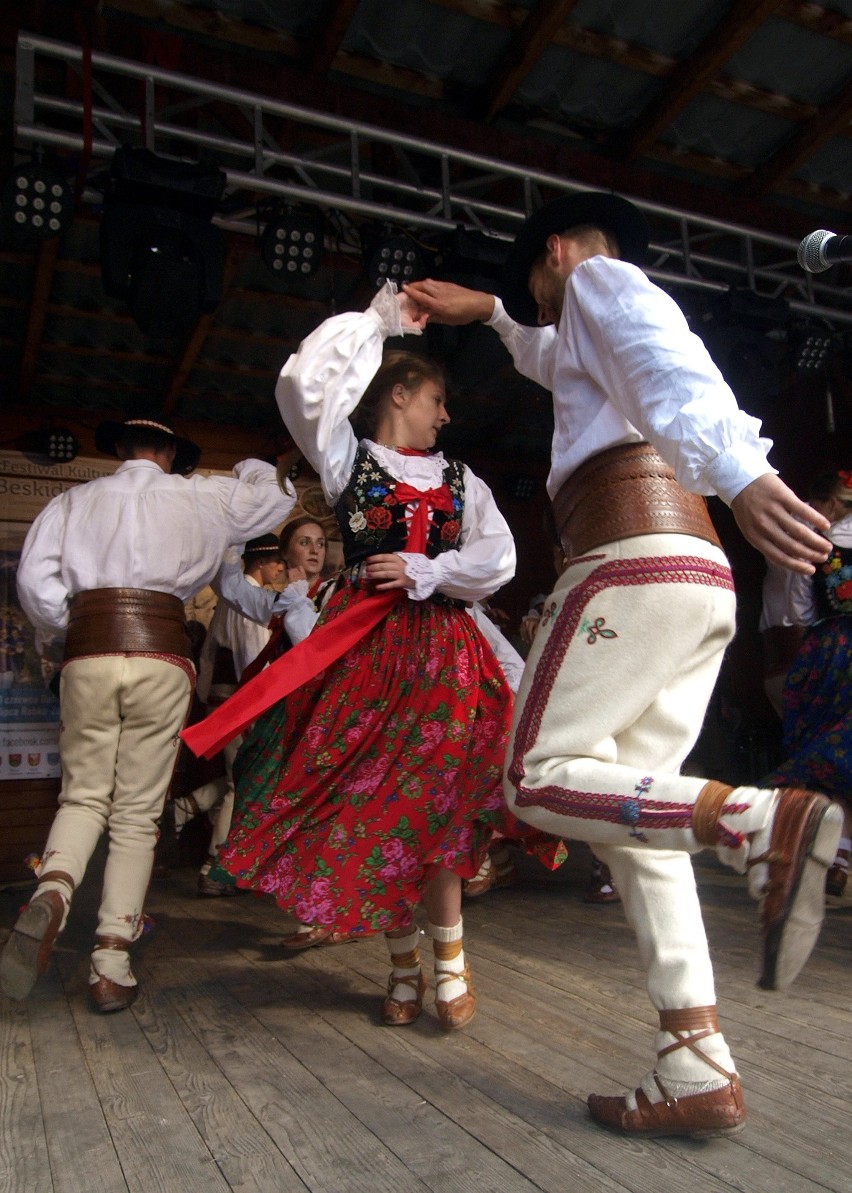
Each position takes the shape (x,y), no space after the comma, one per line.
(699,1116)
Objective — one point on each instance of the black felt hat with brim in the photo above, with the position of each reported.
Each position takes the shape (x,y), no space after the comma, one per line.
(109,433)
(265,544)
(599,209)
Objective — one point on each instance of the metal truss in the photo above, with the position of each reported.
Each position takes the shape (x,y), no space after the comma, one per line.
(367,174)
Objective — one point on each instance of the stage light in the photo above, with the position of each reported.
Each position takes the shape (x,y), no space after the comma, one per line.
(393,257)
(292,243)
(521,486)
(813,350)
(60,446)
(159,250)
(55,444)
(36,203)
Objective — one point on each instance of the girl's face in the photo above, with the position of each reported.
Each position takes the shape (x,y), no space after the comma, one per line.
(424,414)
(307,549)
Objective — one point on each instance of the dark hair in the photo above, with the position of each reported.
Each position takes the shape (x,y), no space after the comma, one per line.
(824,487)
(397,368)
(252,558)
(289,531)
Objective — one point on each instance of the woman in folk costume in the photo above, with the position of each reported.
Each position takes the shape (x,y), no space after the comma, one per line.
(376,785)
(817,698)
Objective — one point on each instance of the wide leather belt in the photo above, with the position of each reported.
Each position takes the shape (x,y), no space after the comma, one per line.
(624,492)
(126,621)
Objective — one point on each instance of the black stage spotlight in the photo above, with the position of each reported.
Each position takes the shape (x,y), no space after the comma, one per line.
(36,204)
(812,348)
(55,445)
(292,243)
(159,250)
(393,257)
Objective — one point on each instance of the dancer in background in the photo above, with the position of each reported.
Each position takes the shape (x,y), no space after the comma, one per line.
(108,566)
(817,696)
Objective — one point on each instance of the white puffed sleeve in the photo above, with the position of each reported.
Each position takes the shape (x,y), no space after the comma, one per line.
(323,382)
(42,591)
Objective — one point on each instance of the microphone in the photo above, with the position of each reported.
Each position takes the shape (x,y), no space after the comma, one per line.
(820,250)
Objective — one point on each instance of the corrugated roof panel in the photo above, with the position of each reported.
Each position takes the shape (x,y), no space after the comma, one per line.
(586,91)
(427,38)
(809,68)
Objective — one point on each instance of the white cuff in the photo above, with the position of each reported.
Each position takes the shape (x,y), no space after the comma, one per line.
(423,571)
(385,311)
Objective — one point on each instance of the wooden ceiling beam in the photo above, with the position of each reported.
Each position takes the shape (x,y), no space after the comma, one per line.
(524,51)
(830,22)
(742,20)
(45,265)
(832,119)
(337,18)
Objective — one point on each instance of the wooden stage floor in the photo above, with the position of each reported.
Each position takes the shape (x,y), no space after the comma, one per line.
(240,1068)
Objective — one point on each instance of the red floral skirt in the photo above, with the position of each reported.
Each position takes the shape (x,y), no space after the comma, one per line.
(355,788)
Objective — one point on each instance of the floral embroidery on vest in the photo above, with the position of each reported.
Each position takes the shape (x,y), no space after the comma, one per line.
(372,520)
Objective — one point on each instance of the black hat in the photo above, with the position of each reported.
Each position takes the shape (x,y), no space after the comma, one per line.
(601,209)
(109,432)
(264,544)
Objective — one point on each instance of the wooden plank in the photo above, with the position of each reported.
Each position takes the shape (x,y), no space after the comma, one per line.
(155,1139)
(24,1166)
(79,1146)
(319,1137)
(244,1153)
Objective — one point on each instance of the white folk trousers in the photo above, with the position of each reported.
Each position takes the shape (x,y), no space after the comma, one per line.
(612,700)
(120,720)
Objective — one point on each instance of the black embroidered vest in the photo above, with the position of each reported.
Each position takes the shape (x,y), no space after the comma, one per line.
(372,521)
(832,584)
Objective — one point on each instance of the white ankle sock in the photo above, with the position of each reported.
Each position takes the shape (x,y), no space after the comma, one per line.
(453,988)
(405,947)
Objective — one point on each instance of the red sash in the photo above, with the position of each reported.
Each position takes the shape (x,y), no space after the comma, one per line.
(323,646)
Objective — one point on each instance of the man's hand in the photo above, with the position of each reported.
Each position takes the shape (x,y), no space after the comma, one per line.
(445,302)
(774,520)
(387,571)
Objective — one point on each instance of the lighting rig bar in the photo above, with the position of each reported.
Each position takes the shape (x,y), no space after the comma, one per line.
(371,173)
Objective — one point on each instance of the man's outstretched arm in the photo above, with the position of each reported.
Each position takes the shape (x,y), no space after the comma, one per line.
(780,525)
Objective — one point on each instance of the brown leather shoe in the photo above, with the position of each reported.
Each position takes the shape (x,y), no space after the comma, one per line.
(835,881)
(315,935)
(720,1112)
(107,996)
(398,1012)
(803,843)
(28,949)
(482,881)
(457,1012)
(209,888)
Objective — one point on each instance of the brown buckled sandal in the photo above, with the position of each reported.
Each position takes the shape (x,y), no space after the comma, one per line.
(397,1012)
(698,1116)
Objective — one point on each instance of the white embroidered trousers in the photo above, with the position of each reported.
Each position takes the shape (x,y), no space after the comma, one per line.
(120,720)
(613,698)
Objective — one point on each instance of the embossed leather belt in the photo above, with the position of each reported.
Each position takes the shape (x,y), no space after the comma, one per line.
(624,492)
(126,621)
